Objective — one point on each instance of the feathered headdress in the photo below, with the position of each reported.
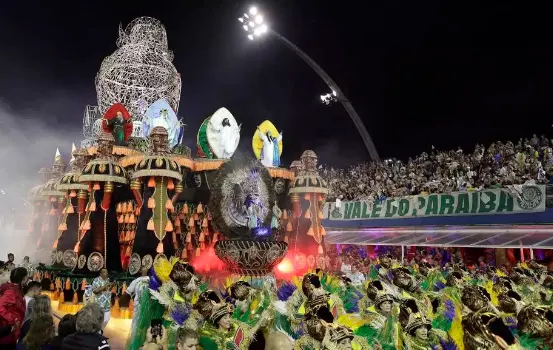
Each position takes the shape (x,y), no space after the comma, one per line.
(219,310)
(163,268)
(378,294)
(286,290)
(411,318)
(339,333)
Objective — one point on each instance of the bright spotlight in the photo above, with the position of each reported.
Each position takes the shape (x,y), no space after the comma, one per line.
(253,23)
(285,266)
(328,99)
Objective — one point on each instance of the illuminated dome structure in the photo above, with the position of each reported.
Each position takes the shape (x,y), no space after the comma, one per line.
(140,71)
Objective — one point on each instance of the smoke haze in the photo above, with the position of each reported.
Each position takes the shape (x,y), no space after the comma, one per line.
(26,145)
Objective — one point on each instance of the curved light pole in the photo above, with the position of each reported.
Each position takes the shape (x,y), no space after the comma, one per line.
(253,24)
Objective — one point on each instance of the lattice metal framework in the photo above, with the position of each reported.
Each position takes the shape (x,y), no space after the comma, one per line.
(140,71)
(92,124)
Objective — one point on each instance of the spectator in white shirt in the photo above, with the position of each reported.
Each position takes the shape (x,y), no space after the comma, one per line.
(339,201)
(31,290)
(346,266)
(356,276)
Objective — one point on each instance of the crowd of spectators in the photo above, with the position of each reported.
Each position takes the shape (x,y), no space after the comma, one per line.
(498,165)
(354,261)
(27,319)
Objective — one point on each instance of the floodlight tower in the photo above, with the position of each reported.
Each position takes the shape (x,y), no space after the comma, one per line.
(254,24)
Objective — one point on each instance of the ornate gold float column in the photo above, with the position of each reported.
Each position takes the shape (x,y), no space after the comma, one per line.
(57,201)
(76,194)
(307,194)
(156,185)
(100,175)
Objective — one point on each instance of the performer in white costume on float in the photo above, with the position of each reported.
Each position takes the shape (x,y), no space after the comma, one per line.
(270,155)
(230,136)
(223,133)
(160,113)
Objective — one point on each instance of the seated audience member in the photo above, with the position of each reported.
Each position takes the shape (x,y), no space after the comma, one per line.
(40,334)
(346,265)
(356,276)
(499,165)
(89,326)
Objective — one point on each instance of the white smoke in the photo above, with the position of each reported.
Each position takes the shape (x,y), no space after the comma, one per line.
(28,142)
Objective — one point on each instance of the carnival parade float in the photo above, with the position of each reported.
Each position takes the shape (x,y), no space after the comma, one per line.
(135,193)
(211,228)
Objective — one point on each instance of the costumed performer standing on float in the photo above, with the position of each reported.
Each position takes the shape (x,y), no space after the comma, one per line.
(271,141)
(223,133)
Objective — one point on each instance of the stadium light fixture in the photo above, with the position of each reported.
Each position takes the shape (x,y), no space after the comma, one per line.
(254,23)
(255,26)
(330,98)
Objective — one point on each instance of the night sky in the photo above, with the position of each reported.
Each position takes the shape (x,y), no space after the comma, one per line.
(418,73)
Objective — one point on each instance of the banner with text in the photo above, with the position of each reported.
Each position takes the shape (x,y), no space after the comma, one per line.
(518,199)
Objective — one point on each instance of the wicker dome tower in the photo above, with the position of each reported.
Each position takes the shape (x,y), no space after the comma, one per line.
(140,71)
